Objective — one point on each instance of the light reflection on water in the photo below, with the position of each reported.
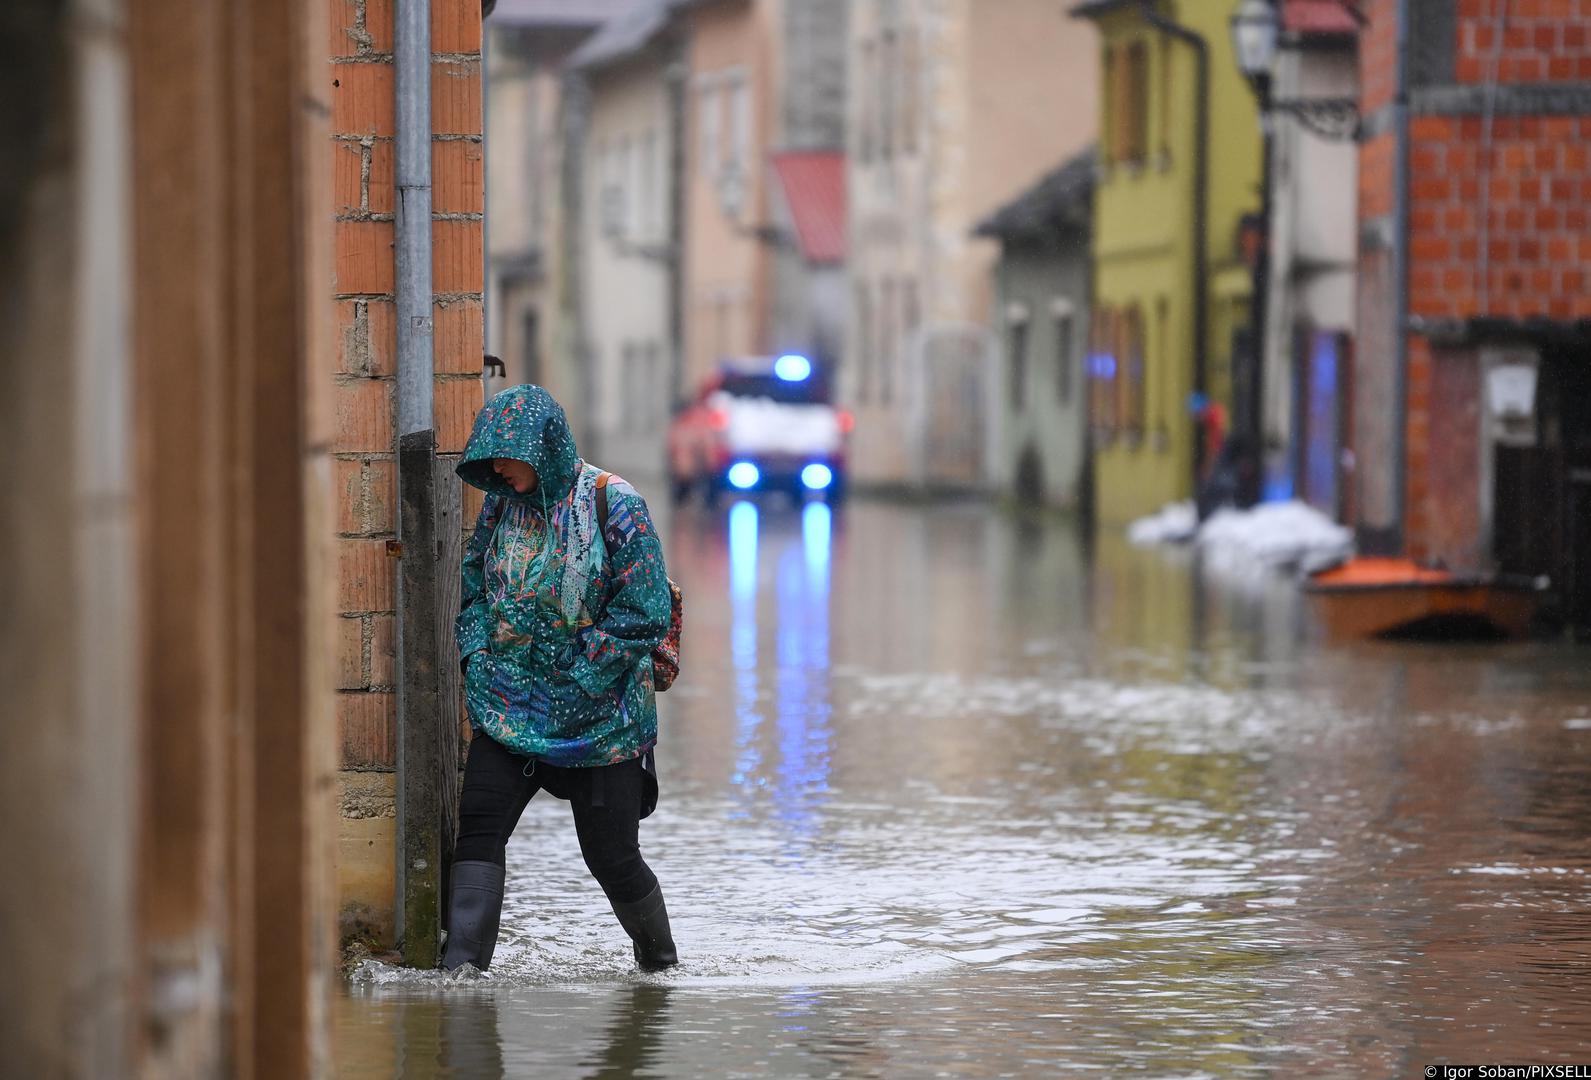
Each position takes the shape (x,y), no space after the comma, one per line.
(743,580)
(802,694)
(937,798)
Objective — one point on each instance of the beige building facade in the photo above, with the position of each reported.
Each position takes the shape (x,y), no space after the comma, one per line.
(952,106)
(766,78)
(730,120)
(530,246)
(627,236)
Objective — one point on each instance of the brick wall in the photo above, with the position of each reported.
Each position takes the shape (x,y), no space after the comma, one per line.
(362,95)
(1377,54)
(1375,176)
(1498,225)
(1541,40)
(1533,188)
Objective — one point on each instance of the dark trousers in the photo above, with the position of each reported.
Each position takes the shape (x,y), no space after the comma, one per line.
(607,801)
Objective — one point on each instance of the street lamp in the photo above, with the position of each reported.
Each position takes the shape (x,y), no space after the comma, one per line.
(1254,32)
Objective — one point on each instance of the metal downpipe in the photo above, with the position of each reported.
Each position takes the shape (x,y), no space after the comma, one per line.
(1201,200)
(412,62)
(1396,531)
(419,877)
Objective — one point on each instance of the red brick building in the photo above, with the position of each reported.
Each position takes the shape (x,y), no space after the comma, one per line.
(1472,397)
(361,78)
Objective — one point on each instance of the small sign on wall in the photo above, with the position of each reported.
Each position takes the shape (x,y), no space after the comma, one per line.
(1511,394)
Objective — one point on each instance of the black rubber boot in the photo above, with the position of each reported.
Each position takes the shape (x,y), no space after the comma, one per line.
(474,906)
(646,921)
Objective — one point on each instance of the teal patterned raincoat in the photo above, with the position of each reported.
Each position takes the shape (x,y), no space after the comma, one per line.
(556,627)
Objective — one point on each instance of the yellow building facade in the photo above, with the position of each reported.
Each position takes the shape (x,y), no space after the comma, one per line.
(1150,272)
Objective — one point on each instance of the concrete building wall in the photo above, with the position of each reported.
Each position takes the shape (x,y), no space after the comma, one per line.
(164,238)
(1314,230)
(731,119)
(520,119)
(1042,307)
(625,231)
(528,119)
(813,44)
(364,461)
(1033,101)
(69,576)
(943,127)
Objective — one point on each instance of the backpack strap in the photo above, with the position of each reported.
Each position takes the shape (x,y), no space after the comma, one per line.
(602,504)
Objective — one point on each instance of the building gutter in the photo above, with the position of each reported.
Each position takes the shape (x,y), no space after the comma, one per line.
(1201,200)
(419,856)
(677,79)
(412,68)
(1395,536)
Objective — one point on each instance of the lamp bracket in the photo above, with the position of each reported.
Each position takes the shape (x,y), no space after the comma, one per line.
(1330,118)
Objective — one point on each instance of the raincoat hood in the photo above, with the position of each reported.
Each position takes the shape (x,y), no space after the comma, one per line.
(524,423)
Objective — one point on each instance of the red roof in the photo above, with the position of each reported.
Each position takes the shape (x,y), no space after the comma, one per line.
(1319,17)
(814,186)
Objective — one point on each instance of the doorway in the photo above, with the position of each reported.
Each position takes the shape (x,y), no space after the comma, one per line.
(1542,487)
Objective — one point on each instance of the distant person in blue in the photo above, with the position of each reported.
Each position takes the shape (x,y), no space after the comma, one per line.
(561,611)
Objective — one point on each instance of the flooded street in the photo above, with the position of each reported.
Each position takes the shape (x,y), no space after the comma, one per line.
(944,793)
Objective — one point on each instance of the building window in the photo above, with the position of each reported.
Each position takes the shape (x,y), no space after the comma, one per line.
(1016,347)
(886,341)
(911,315)
(647,218)
(626,375)
(634,184)
(1107,106)
(911,90)
(867,103)
(657,402)
(1128,109)
(612,165)
(739,126)
(1160,383)
(1102,374)
(1135,358)
(889,79)
(710,118)
(1063,357)
(1130,377)
(864,345)
(530,368)
(1163,104)
(536,182)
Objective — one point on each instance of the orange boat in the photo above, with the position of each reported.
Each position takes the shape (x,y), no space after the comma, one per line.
(1378,597)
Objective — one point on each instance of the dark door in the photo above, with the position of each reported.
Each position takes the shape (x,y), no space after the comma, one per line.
(1542,493)
(1572,378)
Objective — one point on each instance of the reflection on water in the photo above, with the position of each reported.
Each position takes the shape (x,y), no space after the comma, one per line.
(743,579)
(943,794)
(801,702)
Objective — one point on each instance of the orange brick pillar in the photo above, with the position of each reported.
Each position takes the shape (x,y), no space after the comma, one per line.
(361,76)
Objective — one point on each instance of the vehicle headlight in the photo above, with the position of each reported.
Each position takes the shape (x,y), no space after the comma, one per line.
(817,476)
(744,475)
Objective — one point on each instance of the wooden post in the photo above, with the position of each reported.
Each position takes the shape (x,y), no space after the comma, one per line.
(449,542)
(419,846)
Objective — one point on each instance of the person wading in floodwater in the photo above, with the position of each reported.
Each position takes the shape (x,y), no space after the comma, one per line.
(564,608)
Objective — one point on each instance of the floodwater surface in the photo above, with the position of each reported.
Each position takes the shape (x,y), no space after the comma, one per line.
(945,793)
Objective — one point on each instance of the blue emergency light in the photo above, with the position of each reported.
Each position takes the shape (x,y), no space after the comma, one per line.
(793,368)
